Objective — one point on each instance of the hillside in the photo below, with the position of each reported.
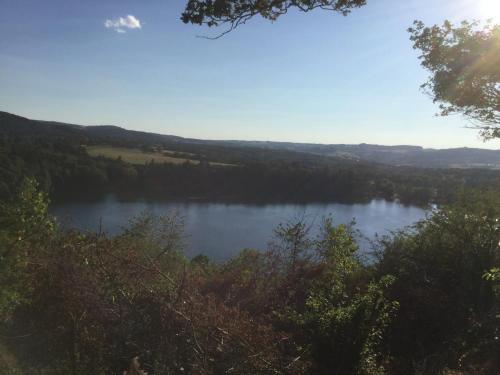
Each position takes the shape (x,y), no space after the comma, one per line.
(401,155)
(20,129)
(17,127)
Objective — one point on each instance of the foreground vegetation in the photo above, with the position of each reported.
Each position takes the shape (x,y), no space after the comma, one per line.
(83,303)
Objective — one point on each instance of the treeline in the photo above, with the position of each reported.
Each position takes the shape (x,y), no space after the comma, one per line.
(82,303)
(67,172)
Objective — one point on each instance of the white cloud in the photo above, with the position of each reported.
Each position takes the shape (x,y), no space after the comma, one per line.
(120,25)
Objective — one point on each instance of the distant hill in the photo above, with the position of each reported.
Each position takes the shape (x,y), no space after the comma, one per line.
(401,155)
(18,127)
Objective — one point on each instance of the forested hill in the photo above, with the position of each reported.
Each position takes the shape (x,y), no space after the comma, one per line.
(14,129)
(19,127)
(73,162)
(403,155)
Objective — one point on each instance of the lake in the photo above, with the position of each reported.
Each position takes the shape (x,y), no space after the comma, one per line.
(221,230)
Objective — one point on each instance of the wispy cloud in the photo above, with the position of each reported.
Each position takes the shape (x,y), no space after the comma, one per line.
(122,24)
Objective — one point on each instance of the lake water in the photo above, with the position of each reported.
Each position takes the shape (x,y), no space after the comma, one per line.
(221,230)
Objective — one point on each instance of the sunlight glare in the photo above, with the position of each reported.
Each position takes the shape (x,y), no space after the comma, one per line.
(490,9)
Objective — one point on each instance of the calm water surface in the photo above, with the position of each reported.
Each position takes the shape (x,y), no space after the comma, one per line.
(222,230)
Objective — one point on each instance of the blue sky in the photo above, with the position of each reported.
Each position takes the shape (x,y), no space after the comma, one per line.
(318,77)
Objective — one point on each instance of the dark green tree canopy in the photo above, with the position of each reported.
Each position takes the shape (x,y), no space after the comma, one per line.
(464,62)
(236,12)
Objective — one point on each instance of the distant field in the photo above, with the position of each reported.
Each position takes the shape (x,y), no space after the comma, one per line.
(136,156)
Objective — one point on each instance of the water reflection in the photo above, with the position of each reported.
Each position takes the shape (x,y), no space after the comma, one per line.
(221,230)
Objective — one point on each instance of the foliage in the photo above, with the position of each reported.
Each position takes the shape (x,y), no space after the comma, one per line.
(342,318)
(23,222)
(447,309)
(234,13)
(464,62)
(67,173)
(91,303)
(312,289)
(55,157)
(80,303)
(493,276)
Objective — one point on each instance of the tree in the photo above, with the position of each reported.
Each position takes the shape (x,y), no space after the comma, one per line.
(338,314)
(447,301)
(236,12)
(464,62)
(24,221)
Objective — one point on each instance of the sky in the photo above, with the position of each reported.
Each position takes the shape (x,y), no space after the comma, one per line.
(317,77)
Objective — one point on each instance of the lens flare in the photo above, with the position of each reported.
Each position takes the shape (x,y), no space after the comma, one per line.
(490,9)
